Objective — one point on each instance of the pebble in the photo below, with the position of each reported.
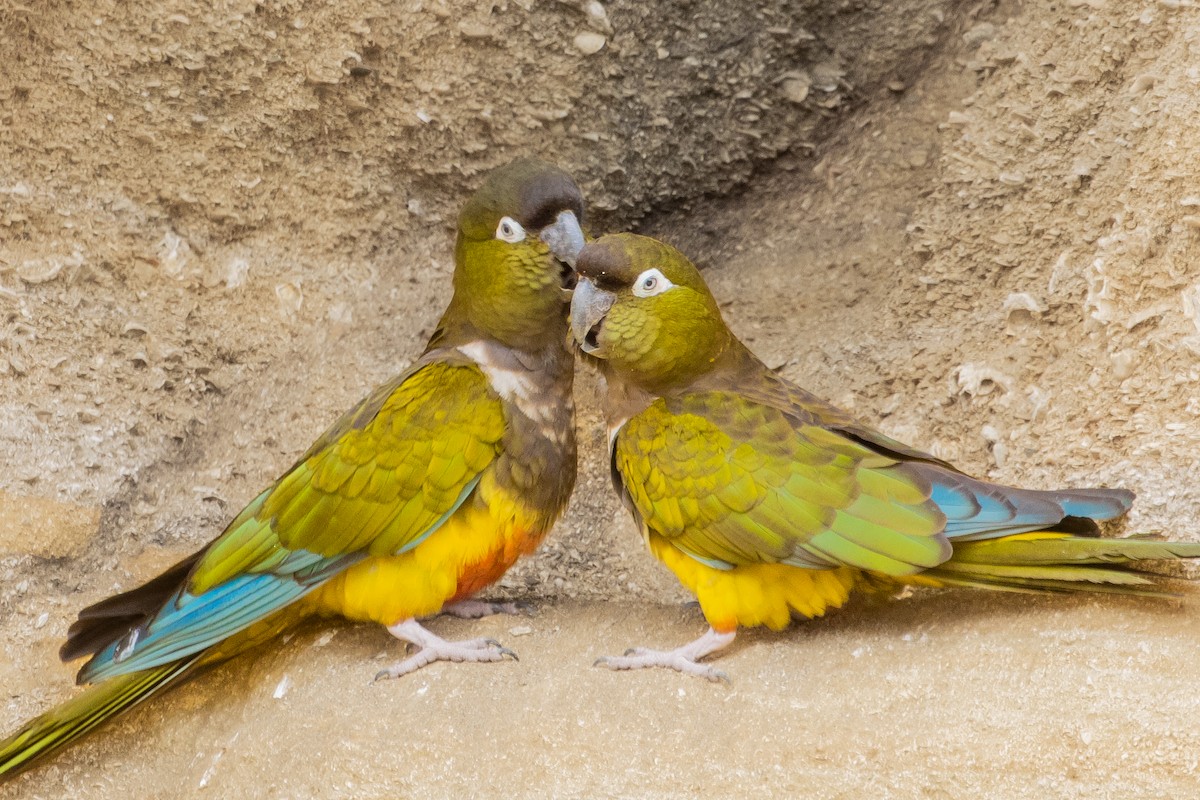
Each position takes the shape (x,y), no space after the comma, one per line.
(40,271)
(597,16)
(290,297)
(473,29)
(796,87)
(1022,301)
(983,32)
(590,42)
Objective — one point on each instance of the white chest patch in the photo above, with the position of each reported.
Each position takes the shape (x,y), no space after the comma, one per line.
(518,386)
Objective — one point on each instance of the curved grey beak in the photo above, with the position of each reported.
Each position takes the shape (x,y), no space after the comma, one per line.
(589,306)
(564,237)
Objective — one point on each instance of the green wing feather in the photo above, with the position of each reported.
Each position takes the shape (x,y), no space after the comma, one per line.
(731,481)
(376,482)
(382,478)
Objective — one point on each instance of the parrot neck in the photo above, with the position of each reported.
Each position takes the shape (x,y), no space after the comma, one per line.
(724,362)
(514,299)
(458,326)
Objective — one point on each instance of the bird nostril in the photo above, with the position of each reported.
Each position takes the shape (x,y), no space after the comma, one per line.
(593,336)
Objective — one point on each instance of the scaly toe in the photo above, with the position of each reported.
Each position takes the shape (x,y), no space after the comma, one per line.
(472,650)
(641,658)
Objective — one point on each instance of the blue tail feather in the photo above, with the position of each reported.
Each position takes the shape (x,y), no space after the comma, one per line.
(190,623)
(977,510)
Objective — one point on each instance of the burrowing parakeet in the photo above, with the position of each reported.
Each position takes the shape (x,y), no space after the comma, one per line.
(768,503)
(420,496)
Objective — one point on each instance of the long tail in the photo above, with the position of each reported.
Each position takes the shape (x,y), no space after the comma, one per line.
(1050,561)
(67,723)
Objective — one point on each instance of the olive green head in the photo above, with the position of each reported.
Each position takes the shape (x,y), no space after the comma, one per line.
(518,238)
(642,306)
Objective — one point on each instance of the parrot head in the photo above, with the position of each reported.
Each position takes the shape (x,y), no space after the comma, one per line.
(518,239)
(643,308)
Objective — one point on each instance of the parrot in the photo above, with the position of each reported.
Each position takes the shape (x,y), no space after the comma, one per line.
(420,496)
(770,505)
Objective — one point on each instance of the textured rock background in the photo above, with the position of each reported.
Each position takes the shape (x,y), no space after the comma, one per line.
(974,225)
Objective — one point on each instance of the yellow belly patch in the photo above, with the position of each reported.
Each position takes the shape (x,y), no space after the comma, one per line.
(472,548)
(756,594)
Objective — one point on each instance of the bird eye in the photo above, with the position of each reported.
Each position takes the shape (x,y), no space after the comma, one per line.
(650,283)
(509,230)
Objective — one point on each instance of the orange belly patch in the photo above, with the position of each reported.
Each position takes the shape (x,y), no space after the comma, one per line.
(468,552)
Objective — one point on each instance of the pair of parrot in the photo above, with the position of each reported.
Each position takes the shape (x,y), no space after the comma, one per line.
(765,502)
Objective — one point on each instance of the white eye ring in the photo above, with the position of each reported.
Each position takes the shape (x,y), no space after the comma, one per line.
(650,283)
(509,230)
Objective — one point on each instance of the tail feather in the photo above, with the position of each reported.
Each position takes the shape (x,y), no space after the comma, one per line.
(67,723)
(1048,561)
(976,510)
(1132,584)
(1048,547)
(1098,504)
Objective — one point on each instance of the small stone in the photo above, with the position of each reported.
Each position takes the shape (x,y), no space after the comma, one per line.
(827,76)
(983,32)
(520,630)
(1123,364)
(590,42)
(1142,84)
(1022,301)
(235,273)
(979,380)
(796,86)
(597,16)
(40,271)
(290,297)
(474,29)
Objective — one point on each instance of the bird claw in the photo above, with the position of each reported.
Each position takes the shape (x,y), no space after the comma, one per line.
(684,659)
(431,648)
(501,649)
(667,659)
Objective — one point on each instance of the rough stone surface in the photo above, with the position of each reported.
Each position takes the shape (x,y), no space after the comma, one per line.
(44,528)
(976,228)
